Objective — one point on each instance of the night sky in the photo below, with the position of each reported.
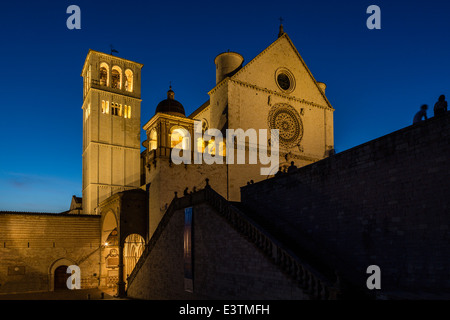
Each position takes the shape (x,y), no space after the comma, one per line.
(376,79)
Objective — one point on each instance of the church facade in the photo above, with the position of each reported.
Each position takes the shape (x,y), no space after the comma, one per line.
(151,227)
(126,193)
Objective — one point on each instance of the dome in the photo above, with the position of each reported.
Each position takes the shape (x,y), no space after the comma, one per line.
(171,106)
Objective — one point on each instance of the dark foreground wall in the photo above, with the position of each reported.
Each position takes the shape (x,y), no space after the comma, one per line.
(225,264)
(385,202)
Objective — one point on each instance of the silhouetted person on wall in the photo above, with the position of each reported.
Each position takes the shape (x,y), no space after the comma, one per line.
(421,114)
(440,108)
(292,167)
(279,173)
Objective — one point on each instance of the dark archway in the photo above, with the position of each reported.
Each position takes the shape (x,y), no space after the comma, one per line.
(61,277)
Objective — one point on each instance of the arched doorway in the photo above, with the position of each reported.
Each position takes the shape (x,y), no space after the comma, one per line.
(110,251)
(61,274)
(133,248)
(60,278)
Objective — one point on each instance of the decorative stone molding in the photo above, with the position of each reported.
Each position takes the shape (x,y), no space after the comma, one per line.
(279,94)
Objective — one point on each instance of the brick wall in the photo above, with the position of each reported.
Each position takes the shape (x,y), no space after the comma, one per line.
(226,265)
(385,202)
(35,244)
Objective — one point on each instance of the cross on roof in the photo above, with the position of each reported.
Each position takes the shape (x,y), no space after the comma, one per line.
(281,32)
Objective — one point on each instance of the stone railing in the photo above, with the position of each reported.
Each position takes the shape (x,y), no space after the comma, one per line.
(312,282)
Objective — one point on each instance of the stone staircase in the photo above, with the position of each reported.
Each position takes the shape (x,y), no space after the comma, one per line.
(308,278)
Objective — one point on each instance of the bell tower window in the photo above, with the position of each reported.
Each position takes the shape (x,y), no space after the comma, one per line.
(89,76)
(116,78)
(104,74)
(87,79)
(129,80)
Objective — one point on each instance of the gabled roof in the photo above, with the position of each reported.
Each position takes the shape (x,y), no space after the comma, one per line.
(284,36)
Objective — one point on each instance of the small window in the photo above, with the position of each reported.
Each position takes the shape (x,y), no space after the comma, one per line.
(87,112)
(200,145)
(127,112)
(222,149)
(105,106)
(211,147)
(153,139)
(115,109)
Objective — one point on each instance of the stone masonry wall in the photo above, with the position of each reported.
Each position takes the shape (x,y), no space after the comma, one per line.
(385,202)
(226,265)
(33,245)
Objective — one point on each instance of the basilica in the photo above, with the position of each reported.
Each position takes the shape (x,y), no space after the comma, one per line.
(275,90)
(151,228)
(127,192)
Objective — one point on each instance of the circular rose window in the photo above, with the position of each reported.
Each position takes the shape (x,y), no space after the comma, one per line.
(287,120)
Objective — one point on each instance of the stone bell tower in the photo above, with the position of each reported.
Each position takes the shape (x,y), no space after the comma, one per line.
(111,127)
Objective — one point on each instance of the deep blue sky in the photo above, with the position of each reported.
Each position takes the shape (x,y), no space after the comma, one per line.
(376,79)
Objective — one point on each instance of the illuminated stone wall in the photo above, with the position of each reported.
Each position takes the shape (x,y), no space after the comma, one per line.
(253,98)
(166,179)
(34,245)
